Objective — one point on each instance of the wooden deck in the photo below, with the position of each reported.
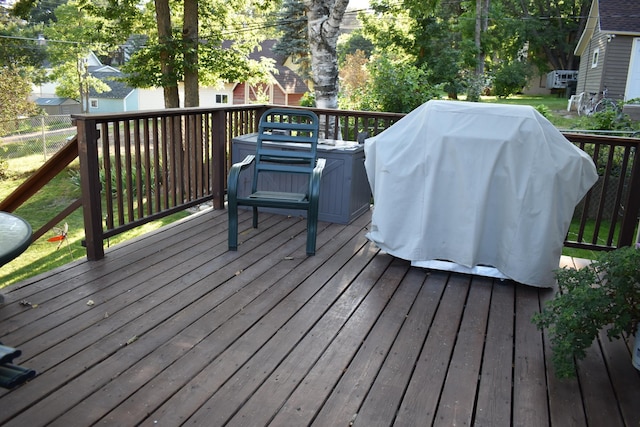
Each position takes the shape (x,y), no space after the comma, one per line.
(173,329)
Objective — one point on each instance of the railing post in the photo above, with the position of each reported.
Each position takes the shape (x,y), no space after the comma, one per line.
(218,161)
(90,186)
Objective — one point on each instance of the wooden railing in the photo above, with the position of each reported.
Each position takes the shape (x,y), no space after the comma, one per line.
(139,166)
(608,215)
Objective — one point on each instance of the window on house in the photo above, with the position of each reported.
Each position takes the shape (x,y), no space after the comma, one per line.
(594,60)
(222,99)
(93,103)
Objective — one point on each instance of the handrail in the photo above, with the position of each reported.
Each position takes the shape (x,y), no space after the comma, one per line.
(49,170)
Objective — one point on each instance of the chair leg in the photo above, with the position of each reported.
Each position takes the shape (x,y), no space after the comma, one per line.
(255,217)
(233,226)
(312,231)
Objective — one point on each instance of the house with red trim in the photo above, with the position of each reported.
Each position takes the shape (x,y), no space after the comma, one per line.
(285,88)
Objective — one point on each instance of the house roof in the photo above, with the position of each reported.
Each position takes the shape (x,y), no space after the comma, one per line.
(44,102)
(288,79)
(119,90)
(619,16)
(613,17)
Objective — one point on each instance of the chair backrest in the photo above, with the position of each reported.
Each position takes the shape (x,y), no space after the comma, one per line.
(287,142)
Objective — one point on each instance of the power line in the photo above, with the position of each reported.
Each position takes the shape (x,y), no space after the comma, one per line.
(263,26)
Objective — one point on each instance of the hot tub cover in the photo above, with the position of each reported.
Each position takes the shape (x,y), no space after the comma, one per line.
(477,185)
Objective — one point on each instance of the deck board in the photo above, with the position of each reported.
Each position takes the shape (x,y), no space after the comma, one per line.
(182,331)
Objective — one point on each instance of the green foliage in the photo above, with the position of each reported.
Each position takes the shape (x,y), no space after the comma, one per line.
(610,117)
(604,294)
(475,87)
(37,11)
(115,182)
(308,100)
(396,86)
(510,78)
(544,110)
(293,40)
(4,165)
(549,41)
(14,98)
(349,44)
(17,51)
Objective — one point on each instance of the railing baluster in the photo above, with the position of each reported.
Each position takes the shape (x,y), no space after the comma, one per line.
(603,193)
(108,177)
(138,171)
(148,170)
(118,163)
(157,166)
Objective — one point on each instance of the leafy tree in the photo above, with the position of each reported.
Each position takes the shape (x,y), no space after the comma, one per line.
(293,42)
(551,29)
(171,54)
(455,39)
(511,77)
(397,86)
(14,98)
(37,11)
(20,48)
(68,45)
(350,44)
(354,80)
(436,35)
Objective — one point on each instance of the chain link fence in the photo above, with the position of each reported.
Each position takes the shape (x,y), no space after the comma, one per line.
(38,136)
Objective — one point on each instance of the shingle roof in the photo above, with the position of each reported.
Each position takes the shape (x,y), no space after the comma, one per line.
(43,102)
(290,81)
(119,90)
(619,16)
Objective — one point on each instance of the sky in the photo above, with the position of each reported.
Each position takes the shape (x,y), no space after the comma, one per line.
(358,4)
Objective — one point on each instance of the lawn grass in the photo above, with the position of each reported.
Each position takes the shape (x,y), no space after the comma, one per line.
(42,255)
(559,116)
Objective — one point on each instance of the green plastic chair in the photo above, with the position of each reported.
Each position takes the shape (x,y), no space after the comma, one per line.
(287,143)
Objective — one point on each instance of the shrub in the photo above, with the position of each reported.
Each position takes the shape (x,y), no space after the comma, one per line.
(308,100)
(510,78)
(4,165)
(610,118)
(605,293)
(544,110)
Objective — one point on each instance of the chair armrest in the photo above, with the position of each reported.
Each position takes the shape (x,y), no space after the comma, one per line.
(234,173)
(314,185)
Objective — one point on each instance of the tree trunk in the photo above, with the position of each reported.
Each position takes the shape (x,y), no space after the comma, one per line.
(324,18)
(478,29)
(482,22)
(167,56)
(190,40)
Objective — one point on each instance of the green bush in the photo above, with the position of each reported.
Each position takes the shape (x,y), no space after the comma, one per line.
(4,165)
(308,100)
(611,118)
(397,86)
(510,78)
(75,179)
(544,110)
(604,294)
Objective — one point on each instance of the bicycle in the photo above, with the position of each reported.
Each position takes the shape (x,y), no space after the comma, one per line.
(596,104)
